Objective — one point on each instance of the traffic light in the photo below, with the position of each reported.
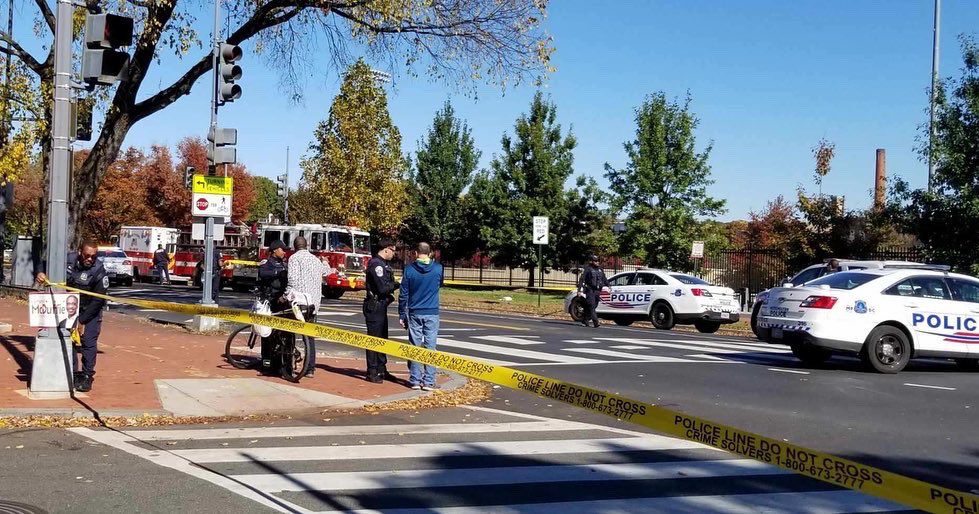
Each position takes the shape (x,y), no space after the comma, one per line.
(229,72)
(81,119)
(283,181)
(221,149)
(102,62)
(189,177)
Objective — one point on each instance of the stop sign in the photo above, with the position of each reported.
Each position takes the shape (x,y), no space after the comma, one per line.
(202,204)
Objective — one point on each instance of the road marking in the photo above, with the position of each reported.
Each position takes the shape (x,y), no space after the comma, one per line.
(931,387)
(336,313)
(432,450)
(581,341)
(780,370)
(510,339)
(629,347)
(475,477)
(517,352)
(624,355)
(704,347)
(485,325)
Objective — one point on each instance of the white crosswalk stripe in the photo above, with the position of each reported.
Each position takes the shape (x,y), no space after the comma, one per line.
(525,464)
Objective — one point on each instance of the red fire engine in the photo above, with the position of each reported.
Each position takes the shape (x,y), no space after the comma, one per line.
(342,245)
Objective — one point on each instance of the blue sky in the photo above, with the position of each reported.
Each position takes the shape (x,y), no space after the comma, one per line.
(768,79)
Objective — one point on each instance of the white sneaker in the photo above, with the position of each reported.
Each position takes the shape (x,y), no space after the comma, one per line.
(432,387)
(416,387)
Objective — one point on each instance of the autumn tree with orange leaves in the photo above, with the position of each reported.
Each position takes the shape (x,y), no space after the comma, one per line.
(120,201)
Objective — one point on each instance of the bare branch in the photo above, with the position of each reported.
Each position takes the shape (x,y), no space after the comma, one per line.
(18,51)
(46,13)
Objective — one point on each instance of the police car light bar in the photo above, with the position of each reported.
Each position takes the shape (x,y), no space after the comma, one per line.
(930,267)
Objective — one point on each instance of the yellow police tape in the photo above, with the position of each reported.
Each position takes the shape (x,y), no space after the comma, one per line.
(821,466)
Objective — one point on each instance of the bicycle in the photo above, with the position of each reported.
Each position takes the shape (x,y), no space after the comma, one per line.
(240,350)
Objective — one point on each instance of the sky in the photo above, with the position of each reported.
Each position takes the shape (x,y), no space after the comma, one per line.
(768,79)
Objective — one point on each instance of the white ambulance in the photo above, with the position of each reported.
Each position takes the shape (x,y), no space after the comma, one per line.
(140,243)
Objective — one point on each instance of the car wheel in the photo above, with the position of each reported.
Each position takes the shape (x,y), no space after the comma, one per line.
(623,322)
(968,364)
(887,350)
(754,320)
(707,327)
(661,315)
(332,293)
(811,355)
(577,310)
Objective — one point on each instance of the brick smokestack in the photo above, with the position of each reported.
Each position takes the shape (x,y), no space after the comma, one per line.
(880,180)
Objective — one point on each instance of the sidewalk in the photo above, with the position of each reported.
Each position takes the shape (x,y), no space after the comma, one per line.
(148,368)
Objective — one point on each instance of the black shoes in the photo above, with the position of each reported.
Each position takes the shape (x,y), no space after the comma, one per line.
(84,383)
(375,379)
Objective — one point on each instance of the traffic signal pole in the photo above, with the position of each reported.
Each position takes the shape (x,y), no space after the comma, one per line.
(208,276)
(57,258)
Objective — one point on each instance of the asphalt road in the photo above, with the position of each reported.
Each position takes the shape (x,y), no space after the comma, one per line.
(922,422)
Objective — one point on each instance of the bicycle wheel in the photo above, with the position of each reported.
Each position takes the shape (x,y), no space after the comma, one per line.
(295,357)
(243,349)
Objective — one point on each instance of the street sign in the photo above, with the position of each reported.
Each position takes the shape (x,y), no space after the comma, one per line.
(210,205)
(213,185)
(197,231)
(697,250)
(541,224)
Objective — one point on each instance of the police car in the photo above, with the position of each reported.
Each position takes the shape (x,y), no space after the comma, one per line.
(817,270)
(117,264)
(664,298)
(885,316)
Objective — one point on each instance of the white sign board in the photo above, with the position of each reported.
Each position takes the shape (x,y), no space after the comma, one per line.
(697,250)
(197,231)
(541,229)
(48,312)
(205,204)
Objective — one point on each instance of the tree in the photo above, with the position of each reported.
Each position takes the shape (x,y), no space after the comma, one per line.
(500,41)
(355,167)
(166,193)
(664,186)
(444,166)
(24,217)
(527,180)
(940,218)
(120,201)
(267,200)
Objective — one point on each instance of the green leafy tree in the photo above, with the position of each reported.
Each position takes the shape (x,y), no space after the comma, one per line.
(663,188)
(454,41)
(267,200)
(444,167)
(355,167)
(942,219)
(526,180)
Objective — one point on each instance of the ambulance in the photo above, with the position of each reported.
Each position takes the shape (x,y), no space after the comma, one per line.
(140,243)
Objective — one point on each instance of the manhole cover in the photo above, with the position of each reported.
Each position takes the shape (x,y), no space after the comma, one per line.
(7,507)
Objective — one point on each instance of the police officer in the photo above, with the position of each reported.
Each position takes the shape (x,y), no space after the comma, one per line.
(592,281)
(216,276)
(87,273)
(380,286)
(272,281)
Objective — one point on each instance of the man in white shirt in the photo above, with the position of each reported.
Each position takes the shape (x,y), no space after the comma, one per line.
(306,272)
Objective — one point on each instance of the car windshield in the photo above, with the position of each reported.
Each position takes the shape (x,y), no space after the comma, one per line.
(689,280)
(111,254)
(843,280)
(362,244)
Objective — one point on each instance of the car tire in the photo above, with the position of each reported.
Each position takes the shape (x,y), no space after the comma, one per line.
(577,310)
(661,316)
(623,322)
(707,327)
(754,320)
(810,355)
(332,293)
(968,364)
(886,350)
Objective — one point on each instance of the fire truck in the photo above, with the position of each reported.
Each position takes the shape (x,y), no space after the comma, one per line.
(140,243)
(188,261)
(344,246)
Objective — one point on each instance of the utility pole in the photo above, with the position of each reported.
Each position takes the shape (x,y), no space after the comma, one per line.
(208,280)
(934,94)
(285,185)
(60,145)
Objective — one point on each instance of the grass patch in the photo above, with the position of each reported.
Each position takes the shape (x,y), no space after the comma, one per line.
(518,301)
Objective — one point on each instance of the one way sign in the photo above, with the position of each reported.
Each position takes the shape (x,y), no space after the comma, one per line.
(541,228)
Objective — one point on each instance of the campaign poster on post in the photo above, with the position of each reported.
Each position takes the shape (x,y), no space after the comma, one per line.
(52,310)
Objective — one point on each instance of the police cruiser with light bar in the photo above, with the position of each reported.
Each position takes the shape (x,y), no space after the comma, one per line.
(664,298)
(886,316)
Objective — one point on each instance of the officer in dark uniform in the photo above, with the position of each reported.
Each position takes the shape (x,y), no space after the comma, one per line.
(380,286)
(272,281)
(87,273)
(592,281)
(216,276)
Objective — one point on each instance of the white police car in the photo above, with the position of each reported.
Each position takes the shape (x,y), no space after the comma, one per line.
(117,264)
(664,298)
(817,270)
(885,316)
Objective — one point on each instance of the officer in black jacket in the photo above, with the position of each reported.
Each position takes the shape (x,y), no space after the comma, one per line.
(87,273)
(272,281)
(380,286)
(592,281)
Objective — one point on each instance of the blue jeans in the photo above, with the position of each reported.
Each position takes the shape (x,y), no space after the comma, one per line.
(423,329)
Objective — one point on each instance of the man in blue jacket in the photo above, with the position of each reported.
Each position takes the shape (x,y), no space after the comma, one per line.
(418,308)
